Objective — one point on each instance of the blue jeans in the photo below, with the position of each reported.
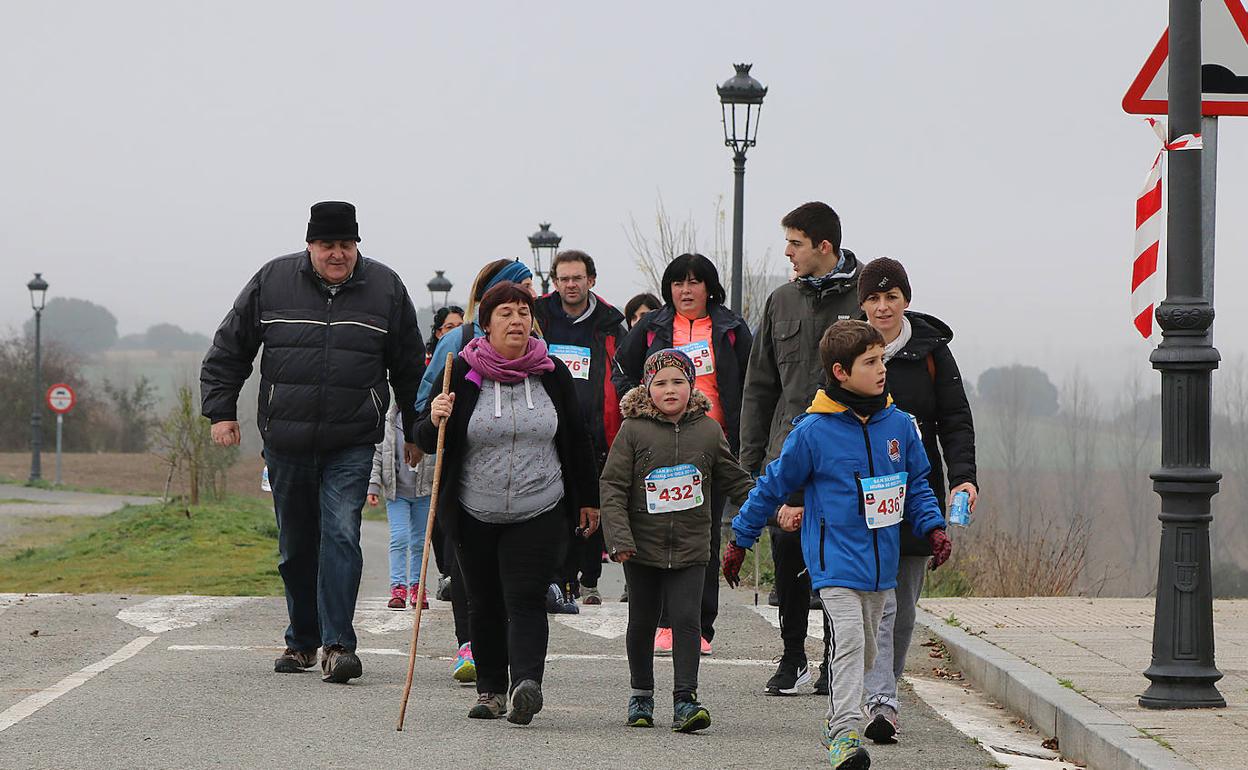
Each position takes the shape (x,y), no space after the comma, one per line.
(408,517)
(318,497)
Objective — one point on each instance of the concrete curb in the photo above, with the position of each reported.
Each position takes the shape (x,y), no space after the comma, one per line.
(1086,732)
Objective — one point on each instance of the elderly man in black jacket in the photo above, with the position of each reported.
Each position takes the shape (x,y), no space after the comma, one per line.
(333,323)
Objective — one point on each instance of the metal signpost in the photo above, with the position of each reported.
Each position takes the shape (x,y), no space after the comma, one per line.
(1193,85)
(61,400)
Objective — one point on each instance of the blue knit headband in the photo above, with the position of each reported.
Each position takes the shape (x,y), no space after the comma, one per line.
(515,272)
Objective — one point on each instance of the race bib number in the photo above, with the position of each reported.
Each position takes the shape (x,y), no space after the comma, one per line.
(884,499)
(700,354)
(576,358)
(677,488)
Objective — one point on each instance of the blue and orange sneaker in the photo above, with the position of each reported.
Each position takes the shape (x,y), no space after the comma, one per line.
(845,752)
(465,668)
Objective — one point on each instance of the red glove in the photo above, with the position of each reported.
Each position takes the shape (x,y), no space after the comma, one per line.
(734,557)
(941,547)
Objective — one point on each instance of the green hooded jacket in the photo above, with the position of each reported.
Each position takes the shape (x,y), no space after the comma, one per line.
(648,442)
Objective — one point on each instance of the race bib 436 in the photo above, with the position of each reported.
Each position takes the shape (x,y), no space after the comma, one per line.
(884,499)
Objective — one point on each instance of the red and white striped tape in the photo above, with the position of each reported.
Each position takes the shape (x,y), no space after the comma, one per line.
(1148,218)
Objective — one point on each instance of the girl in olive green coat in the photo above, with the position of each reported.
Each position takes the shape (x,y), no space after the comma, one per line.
(655,493)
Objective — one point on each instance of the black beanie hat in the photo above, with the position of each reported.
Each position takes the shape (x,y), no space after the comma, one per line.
(882,274)
(333,221)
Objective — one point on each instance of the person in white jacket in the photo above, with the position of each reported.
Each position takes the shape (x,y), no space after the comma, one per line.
(407,491)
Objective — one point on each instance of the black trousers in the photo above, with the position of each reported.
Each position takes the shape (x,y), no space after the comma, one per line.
(506,568)
(710,577)
(793,591)
(678,593)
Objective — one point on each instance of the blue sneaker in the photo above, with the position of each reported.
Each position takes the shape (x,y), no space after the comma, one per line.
(465,668)
(690,716)
(641,711)
(846,752)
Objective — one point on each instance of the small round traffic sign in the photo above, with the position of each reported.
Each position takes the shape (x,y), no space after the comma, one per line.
(61,398)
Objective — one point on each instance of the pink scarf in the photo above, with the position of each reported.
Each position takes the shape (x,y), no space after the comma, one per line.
(488,362)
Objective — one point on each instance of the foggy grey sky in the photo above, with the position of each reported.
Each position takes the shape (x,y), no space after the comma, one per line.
(154,155)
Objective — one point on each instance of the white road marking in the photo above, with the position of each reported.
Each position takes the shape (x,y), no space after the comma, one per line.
(1010,745)
(270,648)
(166,613)
(772,615)
(29,705)
(553,657)
(609,621)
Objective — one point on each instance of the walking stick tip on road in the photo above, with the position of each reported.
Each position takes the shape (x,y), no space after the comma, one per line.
(424,559)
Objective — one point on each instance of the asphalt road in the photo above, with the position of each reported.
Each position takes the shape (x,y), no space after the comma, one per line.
(107,681)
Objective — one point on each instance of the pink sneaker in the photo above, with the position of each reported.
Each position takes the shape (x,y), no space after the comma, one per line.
(705,649)
(416,591)
(398,597)
(663,641)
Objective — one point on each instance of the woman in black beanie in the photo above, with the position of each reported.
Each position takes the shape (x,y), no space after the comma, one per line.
(923,380)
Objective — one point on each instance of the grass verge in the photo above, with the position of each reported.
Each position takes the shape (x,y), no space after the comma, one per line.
(226,548)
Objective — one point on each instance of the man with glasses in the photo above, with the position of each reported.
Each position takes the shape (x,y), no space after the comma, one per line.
(584,331)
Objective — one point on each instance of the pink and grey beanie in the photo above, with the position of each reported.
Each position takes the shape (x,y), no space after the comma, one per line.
(662,359)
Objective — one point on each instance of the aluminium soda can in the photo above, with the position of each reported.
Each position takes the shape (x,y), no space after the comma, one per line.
(960,511)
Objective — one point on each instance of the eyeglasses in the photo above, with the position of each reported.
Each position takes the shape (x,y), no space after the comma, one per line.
(572,279)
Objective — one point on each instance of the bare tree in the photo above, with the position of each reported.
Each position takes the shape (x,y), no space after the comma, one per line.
(184,442)
(1014,442)
(1230,446)
(651,255)
(1076,453)
(1133,439)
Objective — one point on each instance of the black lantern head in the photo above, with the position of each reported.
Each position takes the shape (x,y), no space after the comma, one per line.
(741,102)
(544,241)
(440,284)
(38,292)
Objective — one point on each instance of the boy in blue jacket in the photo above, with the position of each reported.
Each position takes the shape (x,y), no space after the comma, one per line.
(864,470)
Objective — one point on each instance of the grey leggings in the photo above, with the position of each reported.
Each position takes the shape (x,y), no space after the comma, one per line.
(678,594)
(896,628)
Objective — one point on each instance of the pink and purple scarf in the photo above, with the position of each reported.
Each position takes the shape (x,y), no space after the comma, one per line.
(487,362)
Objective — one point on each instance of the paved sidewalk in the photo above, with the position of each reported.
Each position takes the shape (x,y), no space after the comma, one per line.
(29,502)
(1094,652)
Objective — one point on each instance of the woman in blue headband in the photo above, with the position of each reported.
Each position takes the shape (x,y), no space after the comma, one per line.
(491,275)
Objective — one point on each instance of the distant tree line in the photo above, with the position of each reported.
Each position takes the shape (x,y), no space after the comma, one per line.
(87,328)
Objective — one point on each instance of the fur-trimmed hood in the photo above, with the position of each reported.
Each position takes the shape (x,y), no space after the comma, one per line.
(637,403)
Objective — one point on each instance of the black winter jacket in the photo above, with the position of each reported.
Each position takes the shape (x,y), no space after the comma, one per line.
(731,341)
(601,333)
(924,380)
(323,370)
(580,473)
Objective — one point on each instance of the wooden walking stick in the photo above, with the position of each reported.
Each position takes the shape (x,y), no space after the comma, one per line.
(424,558)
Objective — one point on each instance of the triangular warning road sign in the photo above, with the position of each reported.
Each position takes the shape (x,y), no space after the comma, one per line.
(1223,71)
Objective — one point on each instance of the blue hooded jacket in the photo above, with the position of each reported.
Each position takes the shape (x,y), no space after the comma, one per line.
(829,453)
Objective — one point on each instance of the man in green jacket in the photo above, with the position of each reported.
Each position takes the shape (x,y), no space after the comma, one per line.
(783,374)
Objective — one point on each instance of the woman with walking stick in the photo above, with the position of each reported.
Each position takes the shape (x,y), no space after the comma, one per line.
(518,480)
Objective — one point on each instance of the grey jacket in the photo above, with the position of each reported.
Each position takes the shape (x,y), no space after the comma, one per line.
(784,370)
(381,482)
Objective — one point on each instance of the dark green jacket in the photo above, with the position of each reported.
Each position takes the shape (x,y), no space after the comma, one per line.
(784,370)
(646,442)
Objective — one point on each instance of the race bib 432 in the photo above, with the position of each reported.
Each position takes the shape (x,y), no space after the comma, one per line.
(675,488)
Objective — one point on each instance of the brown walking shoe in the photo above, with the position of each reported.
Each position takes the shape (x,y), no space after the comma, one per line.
(490,705)
(294,661)
(340,665)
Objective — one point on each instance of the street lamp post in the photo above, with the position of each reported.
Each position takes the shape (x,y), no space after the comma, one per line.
(38,295)
(544,241)
(439,284)
(1182,674)
(741,103)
